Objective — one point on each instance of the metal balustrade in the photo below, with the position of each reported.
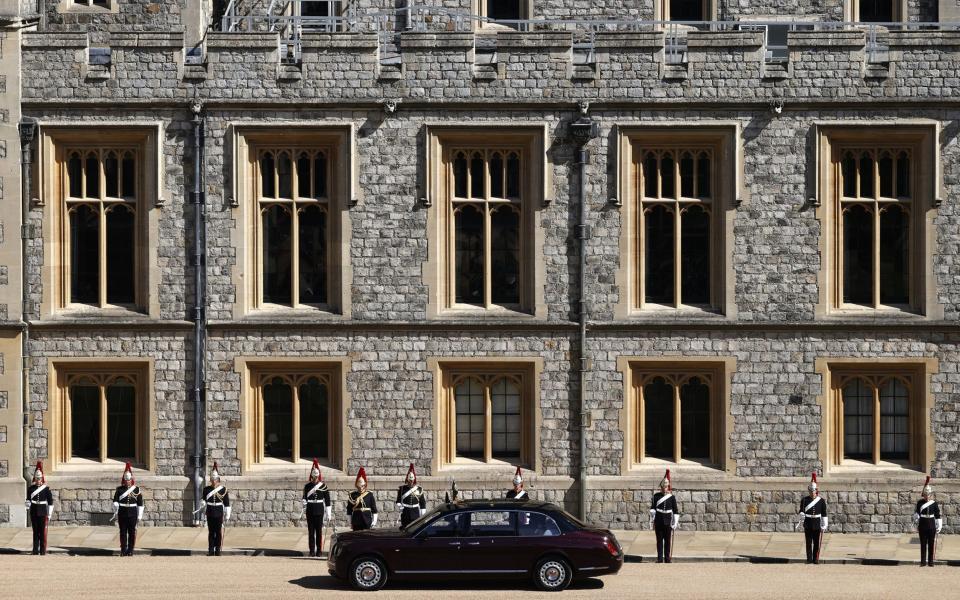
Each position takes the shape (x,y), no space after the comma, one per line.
(292,18)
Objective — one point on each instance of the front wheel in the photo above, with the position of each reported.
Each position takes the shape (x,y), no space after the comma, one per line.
(368,574)
(552,574)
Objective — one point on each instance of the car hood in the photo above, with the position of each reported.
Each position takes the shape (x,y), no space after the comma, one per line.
(371,533)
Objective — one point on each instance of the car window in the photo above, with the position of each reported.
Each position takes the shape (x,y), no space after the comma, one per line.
(445,527)
(531,524)
(497,523)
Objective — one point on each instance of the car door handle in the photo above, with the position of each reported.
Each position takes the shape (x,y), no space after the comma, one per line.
(453,543)
(473,543)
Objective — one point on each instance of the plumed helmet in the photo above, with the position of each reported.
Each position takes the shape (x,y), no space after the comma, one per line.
(665,483)
(315,470)
(411,475)
(127,477)
(812,486)
(518,477)
(38,473)
(927,488)
(361,481)
(215,472)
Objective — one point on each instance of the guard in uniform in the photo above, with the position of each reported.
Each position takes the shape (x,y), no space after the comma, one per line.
(216,500)
(929,522)
(664,518)
(39,509)
(362,505)
(518,493)
(410,499)
(814,520)
(316,505)
(127,510)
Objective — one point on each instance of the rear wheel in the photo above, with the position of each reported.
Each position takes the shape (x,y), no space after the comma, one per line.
(368,574)
(552,574)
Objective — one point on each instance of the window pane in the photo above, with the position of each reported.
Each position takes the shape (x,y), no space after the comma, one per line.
(650,176)
(276,255)
(468,236)
(75,175)
(84,255)
(857,420)
(320,175)
(894,256)
(313,255)
(532,524)
(695,419)
(121,255)
(849,169)
(476,176)
(111,173)
(496,176)
(314,415)
(505,255)
(129,176)
(658,255)
(505,405)
(267,176)
(687,10)
(658,419)
(470,418)
(704,181)
(876,11)
(121,421)
(903,175)
(492,523)
(894,421)
(92,169)
(695,256)
(460,175)
(686,175)
(317,8)
(85,421)
(667,177)
(277,420)
(885,166)
(857,255)
(866,176)
(304,176)
(513,176)
(508,10)
(285,175)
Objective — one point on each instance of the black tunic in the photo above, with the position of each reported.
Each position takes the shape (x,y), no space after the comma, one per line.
(928,515)
(318,501)
(513,495)
(40,503)
(410,500)
(812,515)
(360,509)
(128,506)
(664,509)
(216,502)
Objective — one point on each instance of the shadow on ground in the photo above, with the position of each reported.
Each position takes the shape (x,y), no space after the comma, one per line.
(326,582)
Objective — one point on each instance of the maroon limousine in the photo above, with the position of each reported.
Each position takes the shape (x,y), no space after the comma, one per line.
(477,539)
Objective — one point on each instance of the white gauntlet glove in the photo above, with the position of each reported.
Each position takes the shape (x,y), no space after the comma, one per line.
(50,513)
(916,519)
(328,513)
(375,515)
(824,523)
(423,511)
(116,507)
(939,524)
(653,515)
(674,521)
(226,512)
(139,513)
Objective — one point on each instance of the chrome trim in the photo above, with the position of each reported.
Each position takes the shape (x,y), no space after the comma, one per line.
(502,571)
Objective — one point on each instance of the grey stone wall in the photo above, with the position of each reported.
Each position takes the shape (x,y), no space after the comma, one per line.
(131,15)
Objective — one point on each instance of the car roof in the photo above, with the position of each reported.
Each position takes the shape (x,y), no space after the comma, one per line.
(498,504)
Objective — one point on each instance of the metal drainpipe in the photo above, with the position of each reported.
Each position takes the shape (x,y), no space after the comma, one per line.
(28,130)
(583,130)
(199,318)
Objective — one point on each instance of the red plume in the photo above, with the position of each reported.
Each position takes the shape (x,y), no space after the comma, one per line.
(669,481)
(43,478)
(925,483)
(813,477)
(316,465)
(413,470)
(361,474)
(126,468)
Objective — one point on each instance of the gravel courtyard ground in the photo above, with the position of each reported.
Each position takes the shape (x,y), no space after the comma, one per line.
(146,577)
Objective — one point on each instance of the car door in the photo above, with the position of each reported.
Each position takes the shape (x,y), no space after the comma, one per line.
(489,545)
(434,550)
(537,534)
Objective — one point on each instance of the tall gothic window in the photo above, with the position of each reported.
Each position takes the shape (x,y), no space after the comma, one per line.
(294,416)
(877,416)
(677,412)
(102,192)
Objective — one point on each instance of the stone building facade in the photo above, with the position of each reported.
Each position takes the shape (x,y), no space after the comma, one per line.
(807,150)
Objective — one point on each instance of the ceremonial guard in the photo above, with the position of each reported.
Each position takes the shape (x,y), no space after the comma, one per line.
(127,510)
(316,505)
(39,509)
(664,518)
(814,520)
(518,493)
(362,505)
(929,522)
(410,499)
(216,501)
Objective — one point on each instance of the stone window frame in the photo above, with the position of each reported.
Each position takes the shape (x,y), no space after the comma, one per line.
(724,140)
(445,370)
(834,370)
(88,6)
(662,10)
(437,269)
(719,368)
(56,416)
(479,8)
(249,439)
(339,140)
(851,11)
(920,137)
(56,139)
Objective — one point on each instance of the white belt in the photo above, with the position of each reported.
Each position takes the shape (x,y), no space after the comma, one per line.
(128,505)
(666,512)
(214,503)
(38,501)
(928,516)
(811,516)
(315,502)
(409,505)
